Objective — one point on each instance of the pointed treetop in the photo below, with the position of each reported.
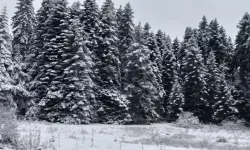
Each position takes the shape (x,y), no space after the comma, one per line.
(214,24)
(176,40)
(159,33)
(222,31)
(146,27)
(138,33)
(4,19)
(76,5)
(203,24)
(108,7)
(128,11)
(128,6)
(188,33)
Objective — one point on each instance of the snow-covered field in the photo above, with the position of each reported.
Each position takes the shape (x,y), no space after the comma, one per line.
(132,137)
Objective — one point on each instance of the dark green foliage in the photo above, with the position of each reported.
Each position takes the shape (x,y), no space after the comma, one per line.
(125,29)
(169,71)
(176,101)
(176,47)
(141,86)
(160,42)
(242,67)
(148,40)
(203,38)
(194,81)
(113,106)
(23,25)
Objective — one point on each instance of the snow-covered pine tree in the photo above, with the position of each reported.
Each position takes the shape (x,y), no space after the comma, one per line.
(224,46)
(229,62)
(119,14)
(125,28)
(77,86)
(242,66)
(138,33)
(160,42)
(226,52)
(176,47)
(23,30)
(125,33)
(223,106)
(91,23)
(141,85)
(184,45)
(168,41)
(37,55)
(218,42)
(75,10)
(176,101)
(169,72)
(187,35)
(113,106)
(51,102)
(212,80)
(23,40)
(214,37)
(148,40)
(6,63)
(194,80)
(8,88)
(203,38)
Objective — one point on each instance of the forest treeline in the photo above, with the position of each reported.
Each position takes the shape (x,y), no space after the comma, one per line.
(83,64)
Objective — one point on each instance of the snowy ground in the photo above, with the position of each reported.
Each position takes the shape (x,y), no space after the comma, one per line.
(134,137)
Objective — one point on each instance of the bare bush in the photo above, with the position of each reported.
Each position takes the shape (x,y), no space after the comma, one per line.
(189,121)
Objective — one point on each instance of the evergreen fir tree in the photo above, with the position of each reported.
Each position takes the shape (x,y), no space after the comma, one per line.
(52,104)
(125,34)
(23,39)
(176,101)
(23,30)
(155,57)
(160,42)
(38,52)
(141,85)
(75,10)
(203,38)
(168,41)
(224,46)
(90,18)
(212,80)
(194,81)
(138,33)
(242,67)
(119,14)
(91,24)
(9,89)
(223,107)
(188,34)
(218,42)
(230,63)
(184,45)
(113,105)
(169,66)
(78,85)
(176,47)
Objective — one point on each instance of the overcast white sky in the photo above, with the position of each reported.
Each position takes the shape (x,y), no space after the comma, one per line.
(173,16)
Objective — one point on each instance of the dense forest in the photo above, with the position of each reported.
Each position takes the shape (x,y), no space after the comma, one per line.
(83,64)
